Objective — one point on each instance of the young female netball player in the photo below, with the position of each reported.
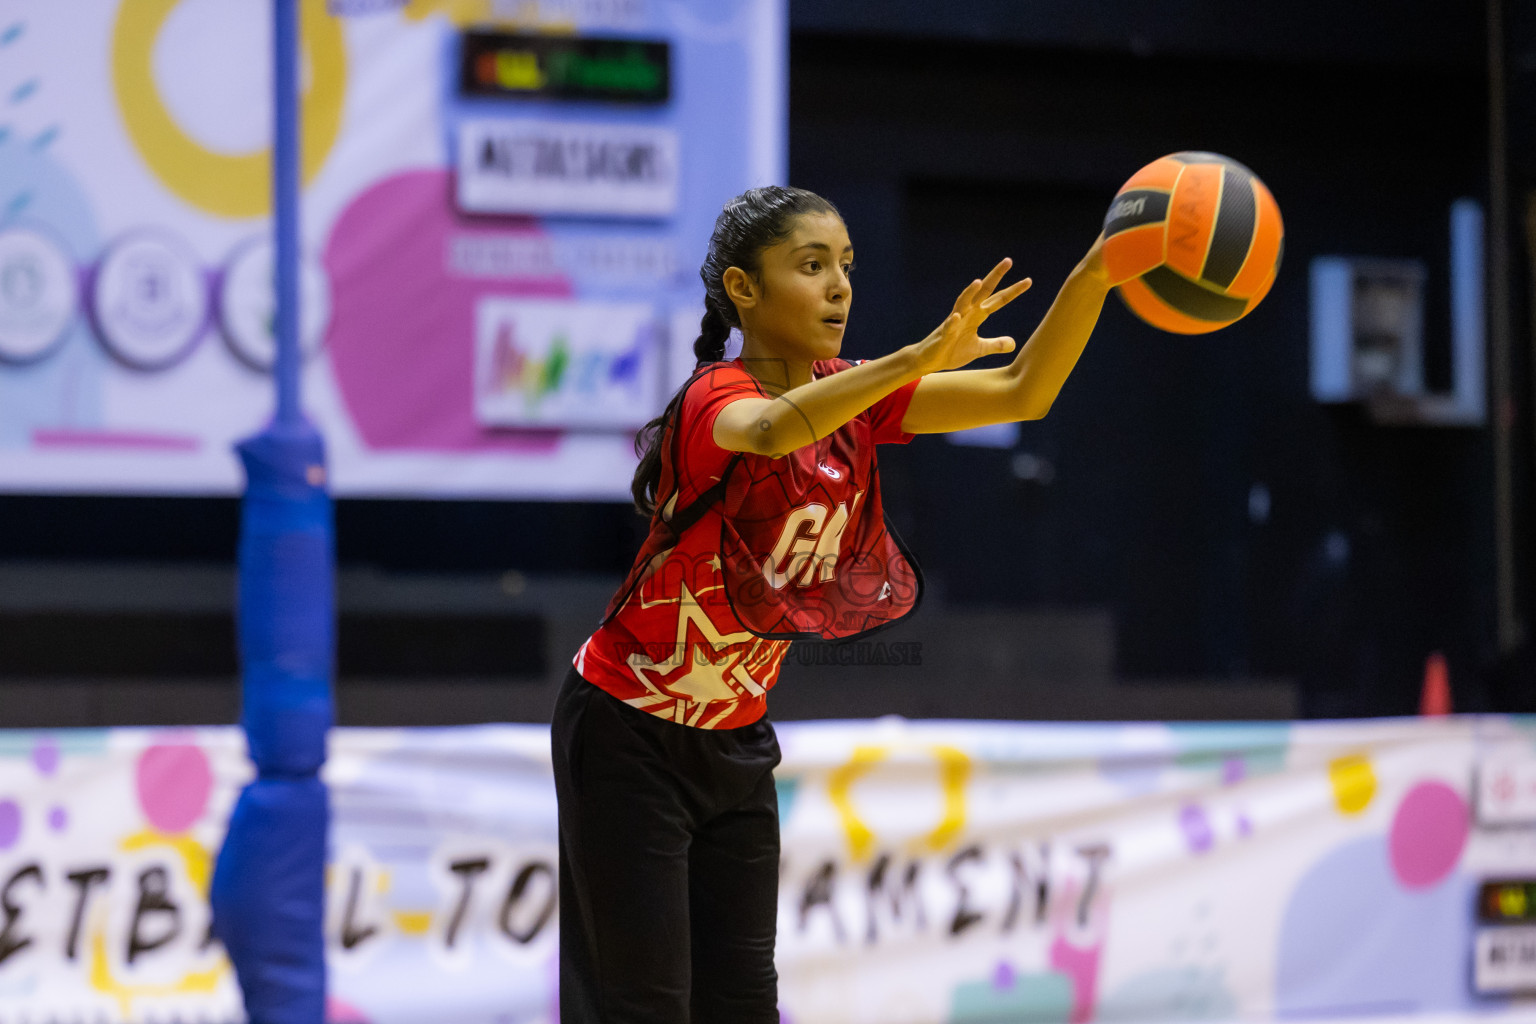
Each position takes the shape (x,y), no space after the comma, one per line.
(766,525)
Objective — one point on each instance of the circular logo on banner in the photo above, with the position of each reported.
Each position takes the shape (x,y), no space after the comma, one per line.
(248,304)
(149,300)
(228,184)
(39,294)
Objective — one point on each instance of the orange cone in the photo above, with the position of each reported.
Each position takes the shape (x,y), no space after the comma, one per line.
(1435,698)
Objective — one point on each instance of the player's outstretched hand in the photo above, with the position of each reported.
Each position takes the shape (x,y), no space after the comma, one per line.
(955,342)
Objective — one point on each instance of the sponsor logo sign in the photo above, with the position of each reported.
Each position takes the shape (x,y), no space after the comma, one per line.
(248,304)
(38,294)
(149,299)
(567,167)
(542,363)
(1506,789)
(565,67)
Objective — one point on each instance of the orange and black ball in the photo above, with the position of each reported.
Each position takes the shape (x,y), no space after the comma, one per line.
(1193,242)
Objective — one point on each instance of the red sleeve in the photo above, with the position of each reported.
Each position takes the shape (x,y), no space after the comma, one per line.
(884,417)
(702,460)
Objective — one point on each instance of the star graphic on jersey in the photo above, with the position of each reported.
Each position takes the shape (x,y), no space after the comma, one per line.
(693,671)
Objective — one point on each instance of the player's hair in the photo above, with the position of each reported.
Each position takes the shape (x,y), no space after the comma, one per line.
(750,223)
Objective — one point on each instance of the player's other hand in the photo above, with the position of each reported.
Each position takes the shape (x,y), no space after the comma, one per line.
(957,340)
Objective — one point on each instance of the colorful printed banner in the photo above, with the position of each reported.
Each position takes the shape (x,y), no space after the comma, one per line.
(505,207)
(933,873)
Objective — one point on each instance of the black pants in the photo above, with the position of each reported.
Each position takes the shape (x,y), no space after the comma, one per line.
(669,866)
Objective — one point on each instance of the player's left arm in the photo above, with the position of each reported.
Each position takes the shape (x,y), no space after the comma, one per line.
(1026,387)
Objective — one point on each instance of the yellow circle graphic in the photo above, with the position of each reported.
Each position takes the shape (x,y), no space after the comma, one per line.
(230,185)
(954,772)
(1353,781)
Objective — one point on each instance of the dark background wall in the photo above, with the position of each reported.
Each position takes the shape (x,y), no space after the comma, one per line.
(1231,528)
(1420,32)
(949,154)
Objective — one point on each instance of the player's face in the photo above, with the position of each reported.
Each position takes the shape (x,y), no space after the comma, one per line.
(806,292)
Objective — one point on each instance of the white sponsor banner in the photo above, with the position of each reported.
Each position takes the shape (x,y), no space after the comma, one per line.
(567,167)
(933,873)
(1506,960)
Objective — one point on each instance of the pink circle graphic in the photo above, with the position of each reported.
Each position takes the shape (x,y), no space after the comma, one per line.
(174,781)
(1428,834)
(339,1012)
(403,325)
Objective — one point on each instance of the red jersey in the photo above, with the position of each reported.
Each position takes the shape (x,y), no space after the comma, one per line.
(769,550)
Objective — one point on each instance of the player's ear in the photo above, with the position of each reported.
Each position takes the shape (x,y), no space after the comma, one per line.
(740,288)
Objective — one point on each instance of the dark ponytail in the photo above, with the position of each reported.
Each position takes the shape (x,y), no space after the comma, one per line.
(750,223)
(714,331)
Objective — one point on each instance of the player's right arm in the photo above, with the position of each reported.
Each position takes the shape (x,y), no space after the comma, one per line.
(802,415)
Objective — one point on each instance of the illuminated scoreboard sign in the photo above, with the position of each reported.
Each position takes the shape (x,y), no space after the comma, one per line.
(1507,902)
(1504,960)
(503,65)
